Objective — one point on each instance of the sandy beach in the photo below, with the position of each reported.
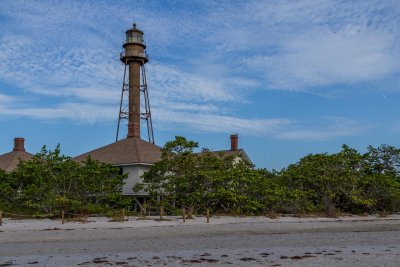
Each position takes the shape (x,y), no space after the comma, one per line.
(234,241)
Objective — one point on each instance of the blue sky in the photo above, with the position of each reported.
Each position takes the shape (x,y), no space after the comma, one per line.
(290,77)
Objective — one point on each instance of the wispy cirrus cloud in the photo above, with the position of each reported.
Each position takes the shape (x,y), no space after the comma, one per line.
(208,58)
(5,99)
(171,83)
(307,45)
(218,123)
(77,112)
(323,129)
(317,60)
(277,128)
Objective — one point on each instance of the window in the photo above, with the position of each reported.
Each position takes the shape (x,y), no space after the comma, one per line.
(134,37)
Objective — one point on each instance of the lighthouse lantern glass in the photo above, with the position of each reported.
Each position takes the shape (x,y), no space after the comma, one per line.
(134,37)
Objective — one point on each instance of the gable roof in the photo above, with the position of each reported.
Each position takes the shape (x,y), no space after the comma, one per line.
(130,150)
(10,160)
(234,153)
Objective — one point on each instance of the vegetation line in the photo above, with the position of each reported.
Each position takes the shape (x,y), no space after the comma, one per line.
(347,181)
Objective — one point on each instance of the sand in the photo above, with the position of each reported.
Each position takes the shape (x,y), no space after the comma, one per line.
(230,241)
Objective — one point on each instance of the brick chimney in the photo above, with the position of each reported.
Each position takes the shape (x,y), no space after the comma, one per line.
(19,144)
(234,141)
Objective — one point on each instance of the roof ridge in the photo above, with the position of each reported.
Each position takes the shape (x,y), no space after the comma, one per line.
(124,151)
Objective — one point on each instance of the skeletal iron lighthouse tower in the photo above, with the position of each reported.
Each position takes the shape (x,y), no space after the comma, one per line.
(135,105)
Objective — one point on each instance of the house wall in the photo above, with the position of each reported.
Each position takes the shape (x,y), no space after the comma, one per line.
(134,173)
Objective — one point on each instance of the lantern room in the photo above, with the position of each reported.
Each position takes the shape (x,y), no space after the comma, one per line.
(135,36)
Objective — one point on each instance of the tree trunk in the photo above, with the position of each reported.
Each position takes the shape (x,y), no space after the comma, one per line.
(190,213)
(329,206)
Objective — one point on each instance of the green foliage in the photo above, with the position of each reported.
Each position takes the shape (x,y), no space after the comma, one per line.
(200,181)
(52,182)
(346,181)
(6,190)
(383,160)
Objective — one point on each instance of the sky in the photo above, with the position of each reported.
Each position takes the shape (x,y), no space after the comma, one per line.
(289,77)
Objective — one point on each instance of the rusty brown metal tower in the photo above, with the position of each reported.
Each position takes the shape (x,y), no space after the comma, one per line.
(135,104)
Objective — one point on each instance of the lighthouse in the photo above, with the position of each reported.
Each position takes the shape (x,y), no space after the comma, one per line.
(133,153)
(135,104)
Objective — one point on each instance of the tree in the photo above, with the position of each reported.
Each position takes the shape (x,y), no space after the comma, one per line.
(348,180)
(332,178)
(6,190)
(51,182)
(384,159)
(173,178)
(206,180)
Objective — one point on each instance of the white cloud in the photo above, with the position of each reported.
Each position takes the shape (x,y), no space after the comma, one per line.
(77,112)
(5,98)
(170,83)
(206,63)
(318,59)
(209,122)
(276,128)
(205,118)
(85,73)
(305,45)
(323,129)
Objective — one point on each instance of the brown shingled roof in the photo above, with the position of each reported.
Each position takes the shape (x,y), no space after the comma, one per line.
(10,160)
(126,151)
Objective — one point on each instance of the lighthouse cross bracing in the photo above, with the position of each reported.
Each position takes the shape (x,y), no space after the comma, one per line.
(134,104)
(145,114)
